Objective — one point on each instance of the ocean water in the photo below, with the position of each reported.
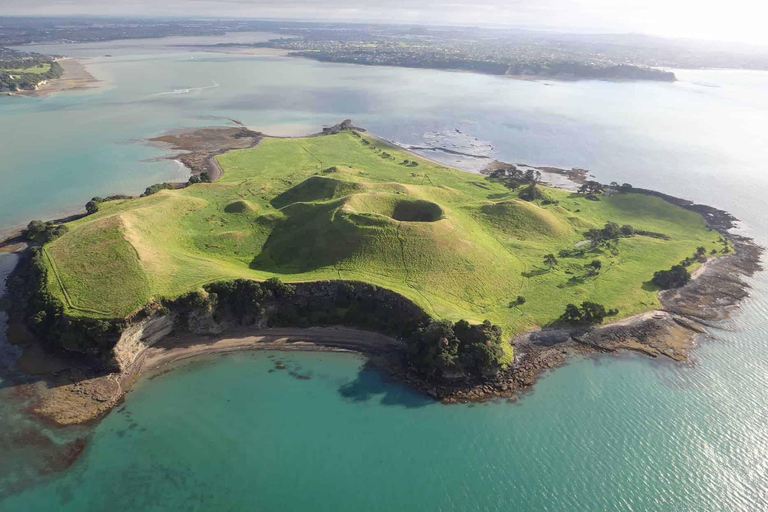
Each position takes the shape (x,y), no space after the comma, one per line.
(225,433)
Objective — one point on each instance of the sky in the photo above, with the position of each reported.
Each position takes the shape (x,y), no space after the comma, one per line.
(732,20)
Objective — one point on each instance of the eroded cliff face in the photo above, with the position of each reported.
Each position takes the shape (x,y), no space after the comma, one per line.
(146,332)
(138,336)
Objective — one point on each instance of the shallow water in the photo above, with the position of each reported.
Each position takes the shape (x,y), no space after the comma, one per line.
(225,433)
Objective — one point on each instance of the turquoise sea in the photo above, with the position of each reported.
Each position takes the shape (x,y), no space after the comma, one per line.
(226,433)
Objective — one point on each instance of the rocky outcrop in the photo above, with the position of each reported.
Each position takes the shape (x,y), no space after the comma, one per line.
(138,336)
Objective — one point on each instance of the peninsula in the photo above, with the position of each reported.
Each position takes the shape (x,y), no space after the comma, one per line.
(34,74)
(477,282)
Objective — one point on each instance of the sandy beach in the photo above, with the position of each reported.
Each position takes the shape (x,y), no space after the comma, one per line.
(69,396)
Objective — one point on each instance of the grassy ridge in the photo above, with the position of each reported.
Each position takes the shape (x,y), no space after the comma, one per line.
(348,207)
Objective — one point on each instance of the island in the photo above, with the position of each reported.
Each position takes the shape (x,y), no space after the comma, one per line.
(464,285)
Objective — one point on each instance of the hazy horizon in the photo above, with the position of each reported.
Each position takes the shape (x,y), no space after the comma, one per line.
(740,21)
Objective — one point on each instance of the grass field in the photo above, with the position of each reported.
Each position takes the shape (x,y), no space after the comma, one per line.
(455,243)
(38,69)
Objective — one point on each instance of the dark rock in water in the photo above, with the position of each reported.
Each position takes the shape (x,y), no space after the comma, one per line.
(279,365)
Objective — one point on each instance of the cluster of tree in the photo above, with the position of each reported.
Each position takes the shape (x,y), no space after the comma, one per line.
(436,348)
(624,188)
(514,178)
(592,189)
(157,187)
(321,303)
(611,231)
(43,232)
(203,177)
(675,277)
(587,313)
(410,163)
(442,349)
(13,76)
(92,206)
(246,300)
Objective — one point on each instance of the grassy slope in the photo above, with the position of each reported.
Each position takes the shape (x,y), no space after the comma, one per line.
(260,220)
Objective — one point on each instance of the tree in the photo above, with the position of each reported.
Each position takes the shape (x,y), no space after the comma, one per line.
(532,176)
(480,351)
(571,314)
(589,312)
(530,193)
(627,230)
(675,277)
(611,231)
(625,188)
(550,260)
(592,312)
(591,188)
(91,207)
(434,349)
(595,264)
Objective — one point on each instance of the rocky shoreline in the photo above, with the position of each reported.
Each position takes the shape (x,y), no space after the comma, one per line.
(200,146)
(71,390)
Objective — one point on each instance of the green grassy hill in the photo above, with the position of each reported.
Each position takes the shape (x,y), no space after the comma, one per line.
(348,207)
